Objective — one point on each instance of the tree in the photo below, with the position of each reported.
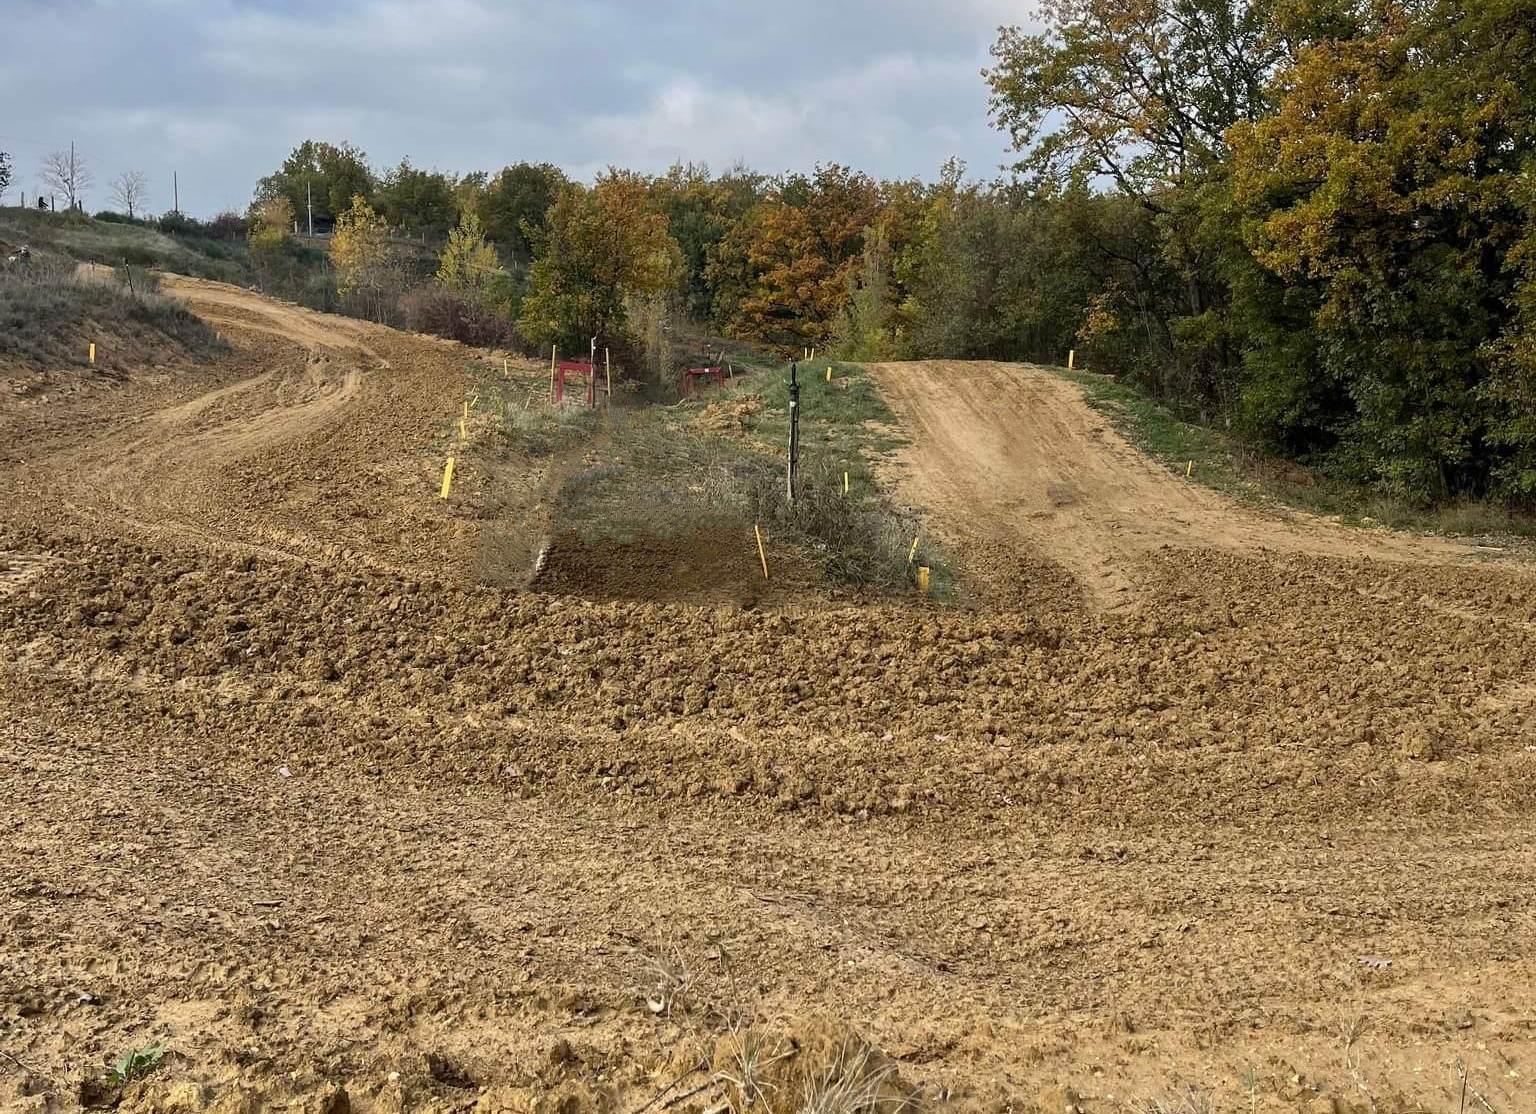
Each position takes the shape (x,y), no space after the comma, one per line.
(513,206)
(5,173)
(1389,196)
(600,245)
(417,199)
(864,328)
(326,175)
(361,253)
(468,264)
(269,226)
(128,190)
(1138,91)
(66,172)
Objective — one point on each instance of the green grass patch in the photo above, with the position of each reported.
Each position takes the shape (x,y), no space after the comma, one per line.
(648,470)
(1225,463)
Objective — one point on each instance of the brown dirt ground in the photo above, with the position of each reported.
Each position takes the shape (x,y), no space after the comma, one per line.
(290,791)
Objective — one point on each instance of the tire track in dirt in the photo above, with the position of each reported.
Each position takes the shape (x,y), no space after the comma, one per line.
(300,448)
(1009,458)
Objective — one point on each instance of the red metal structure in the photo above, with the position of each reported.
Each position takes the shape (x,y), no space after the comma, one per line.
(692,376)
(576,367)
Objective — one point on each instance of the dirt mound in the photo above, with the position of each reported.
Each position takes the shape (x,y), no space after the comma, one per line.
(1009,457)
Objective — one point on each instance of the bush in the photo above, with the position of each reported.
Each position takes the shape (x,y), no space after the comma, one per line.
(228,225)
(432,309)
(179,224)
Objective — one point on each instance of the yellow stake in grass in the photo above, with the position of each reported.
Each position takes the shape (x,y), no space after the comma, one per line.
(1071,359)
(912,553)
(447,479)
(463,431)
(762,554)
(845,483)
(93,353)
(829,373)
(1190,471)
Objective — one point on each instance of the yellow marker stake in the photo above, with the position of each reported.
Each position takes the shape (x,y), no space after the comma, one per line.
(829,373)
(912,553)
(845,483)
(762,554)
(503,367)
(463,431)
(1190,471)
(923,575)
(1071,359)
(447,479)
(93,353)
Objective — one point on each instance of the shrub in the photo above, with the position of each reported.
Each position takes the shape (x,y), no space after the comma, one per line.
(455,316)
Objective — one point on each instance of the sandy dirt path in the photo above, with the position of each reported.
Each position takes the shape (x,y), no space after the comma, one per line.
(289,792)
(1006,456)
(309,443)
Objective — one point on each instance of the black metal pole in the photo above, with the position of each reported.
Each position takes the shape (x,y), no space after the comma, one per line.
(794,430)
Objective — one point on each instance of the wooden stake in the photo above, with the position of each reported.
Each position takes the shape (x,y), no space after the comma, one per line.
(1071,359)
(912,553)
(447,479)
(463,432)
(829,373)
(845,483)
(1190,470)
(762,554)
(92,353)
(923,575)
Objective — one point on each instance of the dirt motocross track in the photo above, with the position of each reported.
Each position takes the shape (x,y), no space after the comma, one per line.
(1242,825)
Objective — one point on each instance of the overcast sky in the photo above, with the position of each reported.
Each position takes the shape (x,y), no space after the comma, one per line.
(221,90)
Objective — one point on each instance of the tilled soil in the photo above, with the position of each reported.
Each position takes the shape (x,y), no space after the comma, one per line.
(290,793)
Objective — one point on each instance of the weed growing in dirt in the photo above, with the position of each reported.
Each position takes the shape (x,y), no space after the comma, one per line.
(855,1079)
(1185,1100)
(135,1064)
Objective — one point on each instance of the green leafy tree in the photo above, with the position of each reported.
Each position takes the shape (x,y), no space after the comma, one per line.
(514,205)
(468,264)
(600,245)
(367,269)
(1388,194)
(417,200)
(865,328)
(329,174)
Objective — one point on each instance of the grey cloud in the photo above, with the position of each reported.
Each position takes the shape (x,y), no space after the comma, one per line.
(222,90)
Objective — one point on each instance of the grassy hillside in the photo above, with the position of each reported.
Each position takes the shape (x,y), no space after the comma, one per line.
(1238,469)
(81,238)
(50,314)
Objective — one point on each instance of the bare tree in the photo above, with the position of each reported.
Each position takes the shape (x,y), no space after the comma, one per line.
(129,188)
(66,172)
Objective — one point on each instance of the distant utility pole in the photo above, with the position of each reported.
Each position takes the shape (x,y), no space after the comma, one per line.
(794,431)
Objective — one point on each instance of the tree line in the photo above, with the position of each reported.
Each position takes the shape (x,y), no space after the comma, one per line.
(1307,221)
